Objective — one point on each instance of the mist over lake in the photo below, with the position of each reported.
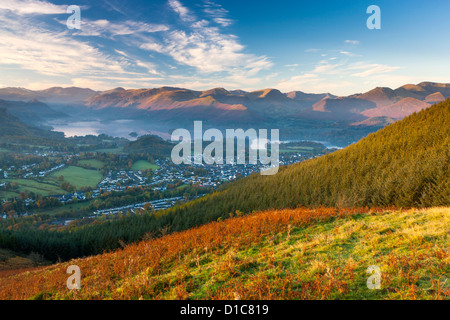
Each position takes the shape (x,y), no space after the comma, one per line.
(116,128)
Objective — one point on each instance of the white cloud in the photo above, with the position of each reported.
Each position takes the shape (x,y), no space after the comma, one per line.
(153,46)
(347,53)
(311,83)
(324,67)
(217,13)
(27,7)
(223,21)
(104,28)
(205,47)
(371,69)
(341,77)
(34,48)
(210,51)
(354,42)
(30,46)
(182,11)
(151,68)
(122,53)
(312,50)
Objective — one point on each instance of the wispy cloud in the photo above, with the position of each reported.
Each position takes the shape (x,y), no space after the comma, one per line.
(217,13)
(104,27)
(341,75)
(312,50)
(34,48)
(347,53)
(324,67)
(27,7)
(371,69)
(182,11)
(206,48)
(354,42)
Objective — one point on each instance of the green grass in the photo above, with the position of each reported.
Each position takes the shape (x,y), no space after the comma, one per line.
(298,150)
(143,165)
(111,150)
(8,195)
(28,185)
(79,177)
(408,246)
(96,164)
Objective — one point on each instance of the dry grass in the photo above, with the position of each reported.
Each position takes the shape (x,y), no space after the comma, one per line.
(287,254)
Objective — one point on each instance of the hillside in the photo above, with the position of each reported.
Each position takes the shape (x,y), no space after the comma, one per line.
(13,130)
(151,145)
(375,121)
(378,102)
(398,110)
(32,111)
(289,254)
(10,262)
(380,96)
(404,164)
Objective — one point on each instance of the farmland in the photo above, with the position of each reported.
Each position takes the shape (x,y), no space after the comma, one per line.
(144,165)
(43,188)
(79,177)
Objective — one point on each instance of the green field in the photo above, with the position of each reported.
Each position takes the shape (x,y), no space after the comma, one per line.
(79,177)
(112,150)
(96,164)
(8,195)
(28,185)
(143,165)
(297,149)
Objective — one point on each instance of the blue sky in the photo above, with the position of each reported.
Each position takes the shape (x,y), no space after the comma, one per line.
(312,46)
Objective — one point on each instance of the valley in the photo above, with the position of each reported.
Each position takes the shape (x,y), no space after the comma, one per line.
(236,157)
(97,196)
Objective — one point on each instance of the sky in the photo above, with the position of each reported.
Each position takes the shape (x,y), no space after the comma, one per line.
(311,46)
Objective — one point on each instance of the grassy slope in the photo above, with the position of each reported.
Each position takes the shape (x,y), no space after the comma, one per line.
(290,254)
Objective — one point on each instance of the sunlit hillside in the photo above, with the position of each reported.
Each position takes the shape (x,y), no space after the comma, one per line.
(319,253)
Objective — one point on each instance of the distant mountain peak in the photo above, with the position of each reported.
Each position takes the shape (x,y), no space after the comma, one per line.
(268,94)
(435,97)
(215,91)
(398,110)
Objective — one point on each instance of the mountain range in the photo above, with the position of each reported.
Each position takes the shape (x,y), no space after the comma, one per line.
(219,104)
(72,95)
(334,120)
